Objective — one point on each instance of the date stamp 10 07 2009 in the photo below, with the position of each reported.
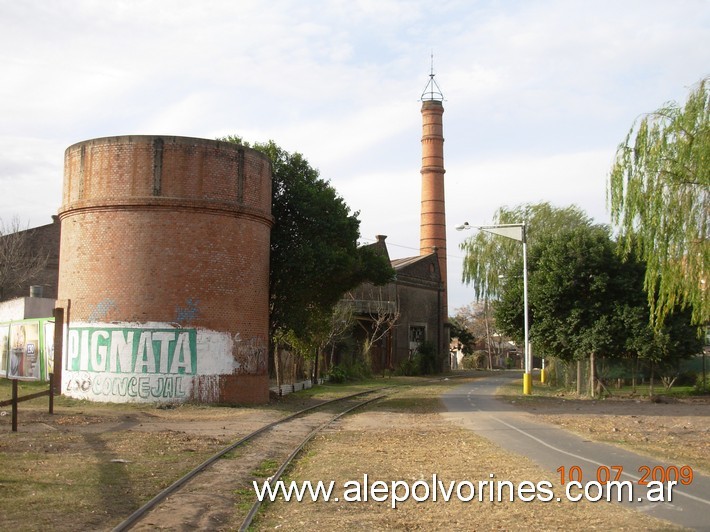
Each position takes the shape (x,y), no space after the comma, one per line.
(682,475)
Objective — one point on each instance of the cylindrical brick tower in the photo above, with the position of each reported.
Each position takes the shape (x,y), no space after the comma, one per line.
(164,260)
(432,236)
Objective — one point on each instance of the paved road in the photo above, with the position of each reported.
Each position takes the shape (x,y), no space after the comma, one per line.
(474,407)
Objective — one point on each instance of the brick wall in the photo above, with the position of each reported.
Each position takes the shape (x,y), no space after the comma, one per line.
(171,230)
(433,210)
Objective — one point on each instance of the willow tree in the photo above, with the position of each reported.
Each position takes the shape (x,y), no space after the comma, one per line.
(659,198)
(489,257)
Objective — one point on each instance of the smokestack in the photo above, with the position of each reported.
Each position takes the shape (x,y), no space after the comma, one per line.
(432,234)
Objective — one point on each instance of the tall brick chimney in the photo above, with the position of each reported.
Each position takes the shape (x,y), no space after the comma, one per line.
(432,234)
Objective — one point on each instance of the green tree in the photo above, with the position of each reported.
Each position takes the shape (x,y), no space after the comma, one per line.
(488,256)
(660,348)
(586,301)
(576,286)
(576,281)
(461,331)
(315,258)
(658,194)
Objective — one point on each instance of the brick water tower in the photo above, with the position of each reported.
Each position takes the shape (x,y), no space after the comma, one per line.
(164,263)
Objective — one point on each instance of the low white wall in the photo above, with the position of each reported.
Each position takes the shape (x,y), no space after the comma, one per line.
(25,308)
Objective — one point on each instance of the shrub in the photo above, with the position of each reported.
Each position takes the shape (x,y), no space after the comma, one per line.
(422,362)
(426,358)
(475,360)
(408,368)
(349,372)
(337,375)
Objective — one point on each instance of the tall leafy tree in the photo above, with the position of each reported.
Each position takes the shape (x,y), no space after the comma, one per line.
(585,299)
(659,197)
(577,287)
(673,342)
(488,256)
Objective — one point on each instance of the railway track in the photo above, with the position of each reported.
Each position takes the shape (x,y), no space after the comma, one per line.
(207,496)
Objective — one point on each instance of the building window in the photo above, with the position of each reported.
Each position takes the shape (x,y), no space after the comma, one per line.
(417,336)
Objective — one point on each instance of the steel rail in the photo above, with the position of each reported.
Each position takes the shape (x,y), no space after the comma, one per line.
(276,476)
(175,486)
(138,514)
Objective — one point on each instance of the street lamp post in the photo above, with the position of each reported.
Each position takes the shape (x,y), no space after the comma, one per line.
(516,232)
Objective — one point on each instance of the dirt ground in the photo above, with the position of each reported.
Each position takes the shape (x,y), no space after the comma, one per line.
(410,441)
(89,466)
(674,429)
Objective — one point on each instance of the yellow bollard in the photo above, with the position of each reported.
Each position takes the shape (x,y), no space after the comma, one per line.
(527,383)
(543,375)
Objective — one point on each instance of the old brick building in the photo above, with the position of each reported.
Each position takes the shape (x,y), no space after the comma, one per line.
(409,308)
(41,242)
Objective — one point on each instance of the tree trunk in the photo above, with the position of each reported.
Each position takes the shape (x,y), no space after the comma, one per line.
(314,378)
(294,363)
(277,365)
(592,375)
(324,361)
(579,377)
(488,335)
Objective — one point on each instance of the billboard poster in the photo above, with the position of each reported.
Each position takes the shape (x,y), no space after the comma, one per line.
(4,348)
(48,348)
(25,360)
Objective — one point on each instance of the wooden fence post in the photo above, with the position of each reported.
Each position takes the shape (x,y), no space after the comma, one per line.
(14,405)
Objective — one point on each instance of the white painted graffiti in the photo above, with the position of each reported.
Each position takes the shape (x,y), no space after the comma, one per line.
(142,387)
(250,354)
(132,351)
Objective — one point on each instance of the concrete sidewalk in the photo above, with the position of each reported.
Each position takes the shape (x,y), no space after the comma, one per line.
(473,406)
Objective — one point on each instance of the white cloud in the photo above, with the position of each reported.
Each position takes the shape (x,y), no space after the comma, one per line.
(538,94)
(30,179)
(563,179)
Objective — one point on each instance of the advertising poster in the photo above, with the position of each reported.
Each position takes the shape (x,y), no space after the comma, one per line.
(24,351)
(48,348)
(4,349)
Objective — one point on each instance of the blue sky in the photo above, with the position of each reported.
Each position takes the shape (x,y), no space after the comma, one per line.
(538,94)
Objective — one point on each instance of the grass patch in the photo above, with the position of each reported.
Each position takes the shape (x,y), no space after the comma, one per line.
(244,499)
(236,453)
(333,391)
(416,399)
(85,481)
(515,388)
(266,468)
